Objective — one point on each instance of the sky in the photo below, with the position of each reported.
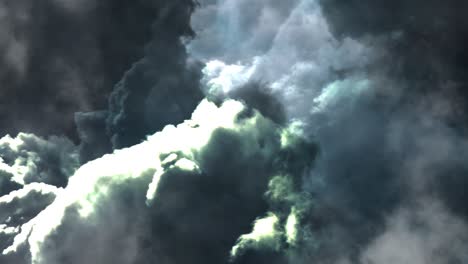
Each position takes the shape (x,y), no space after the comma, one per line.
(233,131)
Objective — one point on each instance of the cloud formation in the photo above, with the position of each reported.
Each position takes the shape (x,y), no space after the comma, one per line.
(332,132)
(197,186)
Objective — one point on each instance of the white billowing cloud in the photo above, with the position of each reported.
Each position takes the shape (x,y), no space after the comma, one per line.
(297,58)
(20,203)
(220,78)
(20,206)
(87,186)
(104,205)
(19,195)
(428,233)
(265,234)
(29,158)
(32,170)
(277,229)
(291,227)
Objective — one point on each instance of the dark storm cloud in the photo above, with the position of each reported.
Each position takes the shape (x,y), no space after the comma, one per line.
(406,138)
(424,39)
(94,141)
(154,94)
(62,56)
(160,89)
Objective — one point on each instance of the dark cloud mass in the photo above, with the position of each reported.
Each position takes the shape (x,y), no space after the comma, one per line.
(305,131)
(425,39)
(59,57)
